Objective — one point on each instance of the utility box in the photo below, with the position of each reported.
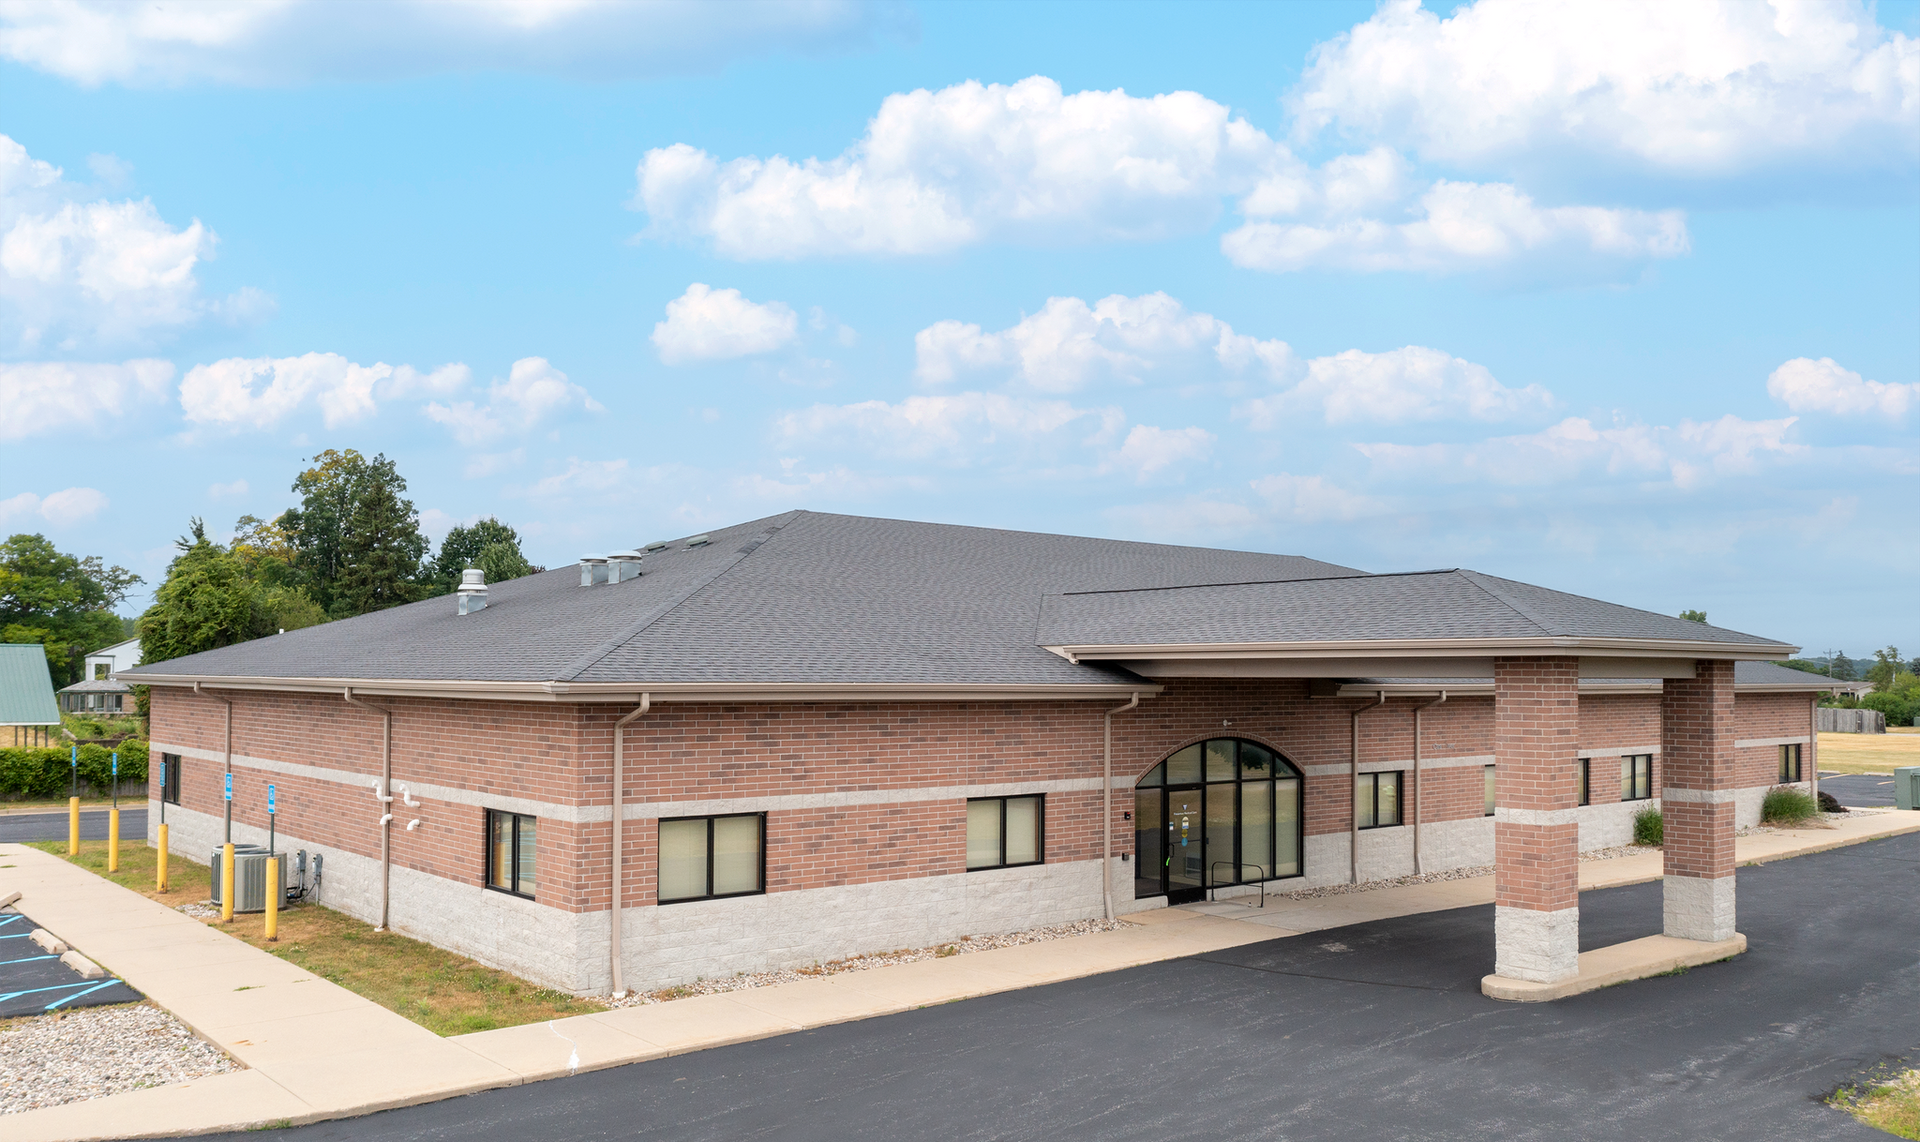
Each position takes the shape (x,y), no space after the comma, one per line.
(249,877)
(1906,787)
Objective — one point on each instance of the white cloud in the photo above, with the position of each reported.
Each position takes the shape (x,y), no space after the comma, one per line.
(532,390)
(1414,383)
(1065,345)
(938,170)
(583,476)
(69,506)
(719,324)
(79,271)
(1148,450)
(52,396)
(1687,454)
(960,428)
(1459,226)
(290,41)
(230,393)
(1806,385)
(223,491)
(1707,87)
(488,463)
(1312,499)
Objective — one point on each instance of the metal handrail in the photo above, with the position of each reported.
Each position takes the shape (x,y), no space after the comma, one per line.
(1214,888)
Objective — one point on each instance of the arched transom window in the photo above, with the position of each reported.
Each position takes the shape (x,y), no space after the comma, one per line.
(1224,811)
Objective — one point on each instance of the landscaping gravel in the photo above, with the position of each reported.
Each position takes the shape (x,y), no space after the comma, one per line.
(961,946)
(98,1051)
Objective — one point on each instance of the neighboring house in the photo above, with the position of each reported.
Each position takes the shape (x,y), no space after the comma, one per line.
(28,712)
(815,735)
(99,692)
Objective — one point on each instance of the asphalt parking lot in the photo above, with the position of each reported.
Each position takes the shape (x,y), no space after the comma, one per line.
(24,827)
(34,982)
(1859,790)
(1373,1031)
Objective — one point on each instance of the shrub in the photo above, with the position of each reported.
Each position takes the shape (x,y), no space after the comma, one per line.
(1788,805)
(40,774)
(1647,827)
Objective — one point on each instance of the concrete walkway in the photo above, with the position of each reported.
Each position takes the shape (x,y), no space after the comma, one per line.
(316,1051)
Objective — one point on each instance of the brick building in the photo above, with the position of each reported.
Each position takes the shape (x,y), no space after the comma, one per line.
(815,735)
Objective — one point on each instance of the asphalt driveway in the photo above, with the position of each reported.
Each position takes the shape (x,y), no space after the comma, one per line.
(25,827)
(1376,1031)
(1859,790)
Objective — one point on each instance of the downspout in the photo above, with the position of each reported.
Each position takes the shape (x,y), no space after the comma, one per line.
(619,847)
(1353,791)
(1106,810)
(1813,746)
(1419,782)
(382,793)
(228,752)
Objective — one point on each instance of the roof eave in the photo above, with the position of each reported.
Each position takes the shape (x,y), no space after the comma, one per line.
(1431,648)
(664,691)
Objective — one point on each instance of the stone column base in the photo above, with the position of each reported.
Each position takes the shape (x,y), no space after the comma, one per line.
(1698,908)
(1541,947)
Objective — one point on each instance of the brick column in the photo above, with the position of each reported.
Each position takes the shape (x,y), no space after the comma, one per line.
(1696,801)
(1536,834)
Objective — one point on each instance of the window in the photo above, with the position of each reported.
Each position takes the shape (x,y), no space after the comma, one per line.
(510,848)
(1217,812)
(1489,794)
(704,858)
(1790,763)
(1376,800)
(1586,781)
(1636,777)
(1005,831)
(100,671)
(170,784)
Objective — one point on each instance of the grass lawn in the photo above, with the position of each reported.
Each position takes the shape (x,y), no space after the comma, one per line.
(447,994)
(1869,753)
(1893,1106)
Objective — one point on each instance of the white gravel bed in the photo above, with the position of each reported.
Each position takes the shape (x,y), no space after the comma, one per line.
(962,946)
(96,1051)
(200,910)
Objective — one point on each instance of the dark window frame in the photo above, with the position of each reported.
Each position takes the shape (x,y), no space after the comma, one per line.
(710,894)
(1635,760)
(1791,764)
(170,787)
(1372,781)
(1586,781)
(1284,769)
(1489,792)
(513,849)
(1040,818)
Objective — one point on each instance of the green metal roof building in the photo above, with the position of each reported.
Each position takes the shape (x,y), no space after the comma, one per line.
(27,705)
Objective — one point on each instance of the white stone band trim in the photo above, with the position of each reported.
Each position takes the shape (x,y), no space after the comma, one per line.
(580,814)
(1535,817)
(1543,947)
(1618,751)
(1757,743)
(1698,797)
(1695,908)
(1377,766)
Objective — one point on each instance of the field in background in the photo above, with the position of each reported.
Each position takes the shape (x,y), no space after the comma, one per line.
(447,994)
(1869,753)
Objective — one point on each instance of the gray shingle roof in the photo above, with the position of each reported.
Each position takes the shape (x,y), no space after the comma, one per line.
(801,597)
(26,688)
(1425,605)
(1747,675)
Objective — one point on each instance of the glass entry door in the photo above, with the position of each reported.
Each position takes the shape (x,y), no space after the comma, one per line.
(1219,812)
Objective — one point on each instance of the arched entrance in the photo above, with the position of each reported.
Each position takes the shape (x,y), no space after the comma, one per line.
(1224,811)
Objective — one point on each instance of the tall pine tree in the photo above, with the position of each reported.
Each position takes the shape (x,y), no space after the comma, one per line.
(357,540)
(380,552)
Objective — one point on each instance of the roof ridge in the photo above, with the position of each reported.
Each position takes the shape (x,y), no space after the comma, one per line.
(1604,603)
(1475,578)
(593,657)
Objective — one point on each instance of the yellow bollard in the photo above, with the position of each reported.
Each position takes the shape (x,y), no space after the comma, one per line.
(113,839)
(273,898)
(160,866)
(73,826)
(226,884)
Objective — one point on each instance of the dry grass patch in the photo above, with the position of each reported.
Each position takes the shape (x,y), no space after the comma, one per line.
(446,993)
(1868,753)
(1892,1105)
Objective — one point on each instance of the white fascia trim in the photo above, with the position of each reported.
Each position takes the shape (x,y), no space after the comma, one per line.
(1542,646)
(1756,743)
(662,692)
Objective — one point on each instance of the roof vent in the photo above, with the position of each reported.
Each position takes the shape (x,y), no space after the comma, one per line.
(658,545)
(472,591)
(593,569)
(622,566)
(699,541)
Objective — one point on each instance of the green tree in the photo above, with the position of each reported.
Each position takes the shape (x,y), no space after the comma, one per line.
(63,602)
(1886,665)
(488,544)
(1694,616)
(381,551)
(338,495)
(1839,666)
(207,601)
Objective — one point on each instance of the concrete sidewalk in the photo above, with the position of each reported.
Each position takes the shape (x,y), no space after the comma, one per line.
(316,1051)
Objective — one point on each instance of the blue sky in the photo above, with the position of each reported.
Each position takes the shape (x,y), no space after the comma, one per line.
(1623,302)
